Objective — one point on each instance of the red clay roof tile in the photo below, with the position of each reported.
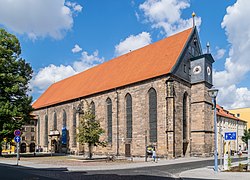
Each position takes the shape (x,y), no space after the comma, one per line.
(150,61)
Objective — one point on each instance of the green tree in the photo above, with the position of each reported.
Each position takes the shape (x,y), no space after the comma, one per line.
(90,131)
(246,136)
(15,74)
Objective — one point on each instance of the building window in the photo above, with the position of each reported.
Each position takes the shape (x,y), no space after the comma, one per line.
(152,115)
(129,115)
(32,129)
(55,121)
(109,119)
(64,119)
(185,68)
(46,130)
(32,138)
(92,107)
(74,129)
(185,125)
(38,130)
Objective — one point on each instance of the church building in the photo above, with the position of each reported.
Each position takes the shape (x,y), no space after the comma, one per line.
(154,96)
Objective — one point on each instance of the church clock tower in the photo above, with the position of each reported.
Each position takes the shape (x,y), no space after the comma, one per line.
(201,106)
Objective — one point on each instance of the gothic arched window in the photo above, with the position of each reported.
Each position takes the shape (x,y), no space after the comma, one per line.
(129,115)
(185,117)
(109,119)
(38,130)
(92,107)
(74,129)
(64,119)
(55,122)
(46,133)
(152,97)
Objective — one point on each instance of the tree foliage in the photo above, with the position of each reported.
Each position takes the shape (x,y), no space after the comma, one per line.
(90,131)
(246,136)
(15,74)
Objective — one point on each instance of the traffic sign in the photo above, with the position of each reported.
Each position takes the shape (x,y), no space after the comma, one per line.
(17,139)
(17,132)
(230,136)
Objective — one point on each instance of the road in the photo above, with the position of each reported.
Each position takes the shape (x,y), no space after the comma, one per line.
(171,172)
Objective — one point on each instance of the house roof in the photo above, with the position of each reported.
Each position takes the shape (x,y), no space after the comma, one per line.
(148,62)
(224,113)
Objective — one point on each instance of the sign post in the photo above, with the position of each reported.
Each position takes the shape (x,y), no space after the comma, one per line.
(228,137)
(17,139)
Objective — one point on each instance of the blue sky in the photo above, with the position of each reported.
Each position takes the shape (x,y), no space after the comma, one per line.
(60,38)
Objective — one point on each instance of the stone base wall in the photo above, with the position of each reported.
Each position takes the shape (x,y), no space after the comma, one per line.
(202,123)
(140,119)
(170,140)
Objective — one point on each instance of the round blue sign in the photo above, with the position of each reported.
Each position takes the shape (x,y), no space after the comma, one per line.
(17,139)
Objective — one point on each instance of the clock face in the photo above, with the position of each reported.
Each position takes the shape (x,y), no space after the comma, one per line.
(208,71)
(197,69)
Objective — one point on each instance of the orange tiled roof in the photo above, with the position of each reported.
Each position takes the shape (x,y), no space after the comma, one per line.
(224,113)
(150,61)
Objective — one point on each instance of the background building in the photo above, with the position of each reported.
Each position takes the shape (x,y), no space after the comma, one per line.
(242,113)
(228,122)
(156,95)
(28,142)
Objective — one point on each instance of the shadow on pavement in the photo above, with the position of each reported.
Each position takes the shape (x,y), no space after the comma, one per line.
(13,172)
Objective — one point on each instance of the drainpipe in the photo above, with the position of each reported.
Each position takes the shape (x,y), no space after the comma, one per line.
(117,122)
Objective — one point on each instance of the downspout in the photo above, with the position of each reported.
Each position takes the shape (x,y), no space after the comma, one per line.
(117,123)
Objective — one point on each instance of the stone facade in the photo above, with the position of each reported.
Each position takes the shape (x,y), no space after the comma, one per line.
(184,113)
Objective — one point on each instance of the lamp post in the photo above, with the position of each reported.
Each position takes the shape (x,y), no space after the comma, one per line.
(213,94)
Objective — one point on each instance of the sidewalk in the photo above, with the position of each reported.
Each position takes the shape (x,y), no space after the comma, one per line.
(209,173)
(71,163)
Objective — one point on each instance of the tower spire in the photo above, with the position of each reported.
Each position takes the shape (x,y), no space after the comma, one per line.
(193,15)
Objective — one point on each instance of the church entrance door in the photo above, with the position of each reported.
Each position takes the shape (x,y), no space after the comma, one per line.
(127,150)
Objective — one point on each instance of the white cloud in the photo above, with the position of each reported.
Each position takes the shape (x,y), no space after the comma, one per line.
(49,75)
(166,15)
(52,73)
(75,6)
(39,18)
(237,28)
(76,49)
(133,42)
(87,61)
(219,53)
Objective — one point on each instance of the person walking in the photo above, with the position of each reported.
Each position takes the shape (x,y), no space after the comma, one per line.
(154,154)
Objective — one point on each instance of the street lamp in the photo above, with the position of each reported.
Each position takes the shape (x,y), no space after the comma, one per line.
(213,94)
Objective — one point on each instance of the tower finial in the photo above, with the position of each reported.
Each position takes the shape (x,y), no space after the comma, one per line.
(208,48)
(193,15)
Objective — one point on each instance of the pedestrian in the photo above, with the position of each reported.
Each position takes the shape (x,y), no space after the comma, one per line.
(154,154)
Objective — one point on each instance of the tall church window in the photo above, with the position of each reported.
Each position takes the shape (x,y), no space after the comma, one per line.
(64,119)
(152,115)
(55,121)
(129,115)
(38,130)
(109,119)
(74,129)
(185,125)
(184,117)
(46,126)
(92,107)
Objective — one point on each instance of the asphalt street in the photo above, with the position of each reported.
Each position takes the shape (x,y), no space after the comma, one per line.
(12,172)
